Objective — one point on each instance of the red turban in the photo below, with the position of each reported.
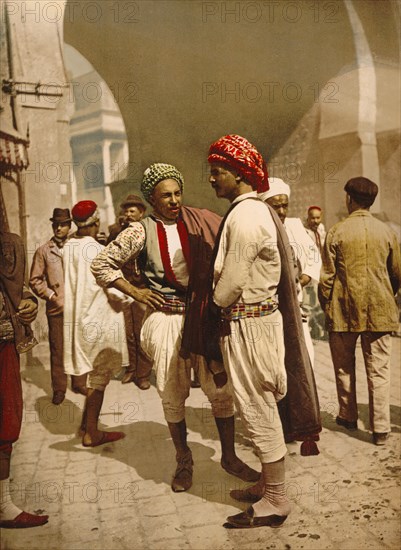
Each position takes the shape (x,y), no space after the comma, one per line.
(240,155)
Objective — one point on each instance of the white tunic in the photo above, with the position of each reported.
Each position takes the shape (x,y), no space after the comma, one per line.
(247,270)
(305,249)
(309,263)
(177,260)
(248,266)
(94,332)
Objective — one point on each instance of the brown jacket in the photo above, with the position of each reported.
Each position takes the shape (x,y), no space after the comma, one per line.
(361,273)
(47,277)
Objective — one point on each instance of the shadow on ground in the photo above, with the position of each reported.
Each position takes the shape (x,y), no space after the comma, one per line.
(363,434)
(147,449)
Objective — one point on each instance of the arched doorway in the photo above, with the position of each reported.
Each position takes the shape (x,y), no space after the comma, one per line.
(97,136)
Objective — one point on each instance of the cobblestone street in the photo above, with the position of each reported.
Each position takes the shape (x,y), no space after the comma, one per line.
(118,496)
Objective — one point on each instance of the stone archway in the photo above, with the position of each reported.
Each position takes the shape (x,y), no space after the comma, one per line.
(189,72)
(97,136)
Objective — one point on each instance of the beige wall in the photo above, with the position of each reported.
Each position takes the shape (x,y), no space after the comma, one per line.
(185,73)
(36,36)
(197,72)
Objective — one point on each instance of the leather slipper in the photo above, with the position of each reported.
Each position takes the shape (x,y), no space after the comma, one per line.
(107,437)
(248,520)
(244,495)
(246,473)
(128,377)
(23,521)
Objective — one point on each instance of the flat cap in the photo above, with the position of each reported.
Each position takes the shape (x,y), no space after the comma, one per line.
(362,190)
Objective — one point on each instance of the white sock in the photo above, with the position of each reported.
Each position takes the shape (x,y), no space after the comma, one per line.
(274,501)
(8,510)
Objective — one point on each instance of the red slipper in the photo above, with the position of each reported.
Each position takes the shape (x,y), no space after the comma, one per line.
(23,520)
(107,437)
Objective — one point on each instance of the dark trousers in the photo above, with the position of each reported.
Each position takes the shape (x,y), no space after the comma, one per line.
(59,378)
(138,361)
(10,404)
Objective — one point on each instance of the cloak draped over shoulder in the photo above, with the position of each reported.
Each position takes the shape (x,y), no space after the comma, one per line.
(299,410)
(202,226)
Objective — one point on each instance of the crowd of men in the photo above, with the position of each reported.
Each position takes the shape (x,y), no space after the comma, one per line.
(224,298)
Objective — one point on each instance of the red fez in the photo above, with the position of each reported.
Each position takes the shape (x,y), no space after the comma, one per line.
(240,155)
(85,213)
(314,208)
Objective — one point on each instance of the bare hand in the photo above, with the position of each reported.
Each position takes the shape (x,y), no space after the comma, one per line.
(304,279)
(56,300)
(220,379)
(148,297)
(27,311)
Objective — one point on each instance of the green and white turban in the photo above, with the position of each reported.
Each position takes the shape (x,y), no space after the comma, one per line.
(157,173)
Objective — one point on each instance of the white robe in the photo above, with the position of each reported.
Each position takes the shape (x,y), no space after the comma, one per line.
(309,263)
(94,331)
(305,249)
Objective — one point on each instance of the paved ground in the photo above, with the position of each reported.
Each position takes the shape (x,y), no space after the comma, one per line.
(118,496)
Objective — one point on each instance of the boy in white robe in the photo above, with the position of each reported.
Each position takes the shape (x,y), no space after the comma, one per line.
(94,341)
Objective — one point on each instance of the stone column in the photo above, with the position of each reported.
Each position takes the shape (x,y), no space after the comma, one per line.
(108,200)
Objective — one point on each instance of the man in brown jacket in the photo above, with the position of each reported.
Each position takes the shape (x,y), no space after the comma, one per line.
(360,276)
(47,282)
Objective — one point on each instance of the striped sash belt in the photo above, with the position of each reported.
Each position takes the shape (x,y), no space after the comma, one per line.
(244,311)
(172,304)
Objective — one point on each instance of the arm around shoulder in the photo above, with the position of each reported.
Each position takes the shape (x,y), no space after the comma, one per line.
(106,267)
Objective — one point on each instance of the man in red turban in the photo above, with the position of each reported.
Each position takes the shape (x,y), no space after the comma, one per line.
(252,272)
(247,271)
(243,157)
